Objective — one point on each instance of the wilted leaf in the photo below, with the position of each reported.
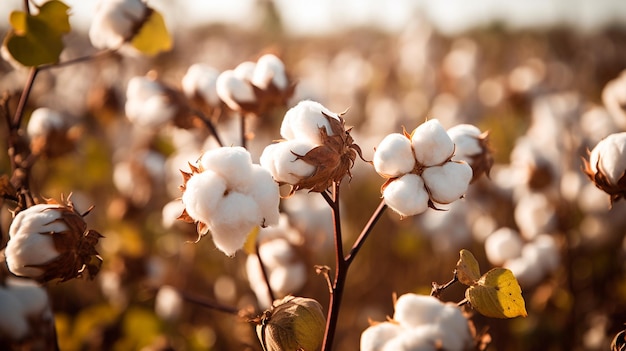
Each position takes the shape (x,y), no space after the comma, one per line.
(467,269)
(153,36)
(497,294)
(38,39)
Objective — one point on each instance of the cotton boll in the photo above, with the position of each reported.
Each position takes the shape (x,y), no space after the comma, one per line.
(290,169)
(465,138)
(200,80)
(234,218)
(245,70)
(115,21)
(412,310)
(270,69)
(32,297)
(393,156)
(288,279)
(431,143)
(303,122)
(376,336)
(170,213)
(43,121)
(527,272)
(455,329)
(422,338)
(534,214)
(548,251)
(266,193)
(449,182)
(233,163)
(234,90)
(407,195)
(147,103)
(12,320)
(502,245)
(608,157)
(203,192)
(276,252)
(168,303)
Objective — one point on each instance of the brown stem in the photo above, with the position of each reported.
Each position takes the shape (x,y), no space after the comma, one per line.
(209,124)
(366,231)
(438,289)
(21,105)
(264,272)
(204,302)
(244,142)
(97,55)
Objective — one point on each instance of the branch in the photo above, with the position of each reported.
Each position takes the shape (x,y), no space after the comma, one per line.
(264,272)
(209,124)
(366,231)
(438,289)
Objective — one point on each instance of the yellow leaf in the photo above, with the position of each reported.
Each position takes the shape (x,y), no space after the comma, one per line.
(153,36)
(467,269)
(250,245)
(18,21)
(497,294)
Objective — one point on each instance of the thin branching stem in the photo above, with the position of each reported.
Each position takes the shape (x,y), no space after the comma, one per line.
(244,141)
(266,278)
(366,231)
(21,105)
(208,122)
(437,289)
(204,302)
(81,59)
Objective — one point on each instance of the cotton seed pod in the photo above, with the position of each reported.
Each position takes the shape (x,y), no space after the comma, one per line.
(50,241)
(294,323)
(607,166)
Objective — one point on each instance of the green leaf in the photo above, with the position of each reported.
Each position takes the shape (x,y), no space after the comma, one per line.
(153,36)
(38,39)
(497,294)
(467,269)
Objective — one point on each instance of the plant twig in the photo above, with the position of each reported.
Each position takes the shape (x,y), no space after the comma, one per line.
(204,302)
(209,124)
(86,58)
(438,289)
(264,272)
(21,105)
(366,231)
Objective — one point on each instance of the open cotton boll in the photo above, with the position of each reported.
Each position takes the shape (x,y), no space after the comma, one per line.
(455,329)
(269,69)
(147,104)
(287,279)
(114,22)
(303,122)
(168,303)
(245,70)
(527,272)
(449,182)
(609,158)
(232,163)
(412,310)
(407,195)
(502,245)
(422,338)
(276,252)
(375,336)
(394,156)
(234,90)
(265,192)
(465,138)
(12,319)
(534,214)
(203,192)
(282,160)
(548,252)
(235,216)
(200,80)
(431,143)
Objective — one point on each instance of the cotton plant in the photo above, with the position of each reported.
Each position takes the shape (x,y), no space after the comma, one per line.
(419,322)
(419,169)
(227,195)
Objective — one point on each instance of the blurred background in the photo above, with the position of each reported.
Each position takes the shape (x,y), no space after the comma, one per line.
(532,73)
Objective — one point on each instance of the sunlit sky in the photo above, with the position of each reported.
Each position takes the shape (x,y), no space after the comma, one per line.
(325,16)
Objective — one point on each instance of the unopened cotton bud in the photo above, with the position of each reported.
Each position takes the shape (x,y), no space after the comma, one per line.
(407,195)
(431,143)
(116,22)
(303,122)
(394,156)
(234,91)
(376,336)
(200,81)
(502,245)
(449,182)
(294,323)
(270,69)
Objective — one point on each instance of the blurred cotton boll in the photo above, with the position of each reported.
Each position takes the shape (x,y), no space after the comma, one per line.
(269,70)
(614,98)
(535,214)
(235,91)
(200,82)
(148,102)
(312,217)
(502,245)
(116,22)
(227,194)
(472,146)
(168,303)
(419,322)
(50,133)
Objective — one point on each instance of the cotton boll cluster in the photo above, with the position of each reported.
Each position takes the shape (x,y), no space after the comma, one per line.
(285,269)
(25,314)
(529,260)
(419,169)
(116,22)
(607,165)
(316,150)
(255,86)
(419,323)
(228,195)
